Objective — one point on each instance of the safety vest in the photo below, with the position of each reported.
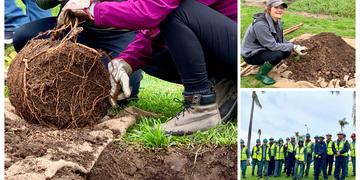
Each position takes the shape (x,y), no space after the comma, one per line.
(244,155)
(300,155)
(340,147)
(329,148)
(272,149)
(279,153)
(352,149)
(290,147)
(256,155)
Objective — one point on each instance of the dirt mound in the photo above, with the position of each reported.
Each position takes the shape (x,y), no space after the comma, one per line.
(59,83)
(120,161)
(329,58)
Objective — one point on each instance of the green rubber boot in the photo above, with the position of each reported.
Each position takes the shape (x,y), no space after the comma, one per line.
(262,74)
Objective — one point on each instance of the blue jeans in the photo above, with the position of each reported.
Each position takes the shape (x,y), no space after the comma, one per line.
(308,163)
(278,168)
(353,161)
(301,165)
(320,165)
(340,166)
(263,170)
(243,168)
(255,163)
(15,17)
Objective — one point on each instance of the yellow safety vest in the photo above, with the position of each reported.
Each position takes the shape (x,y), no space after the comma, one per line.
(340,147)
(256,155)
(329,148)
(300,155)
(290,147)
(279,153)
(352,149)
(244,155)
(272,149)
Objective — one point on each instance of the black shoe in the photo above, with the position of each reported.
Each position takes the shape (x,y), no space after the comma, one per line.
(8,39)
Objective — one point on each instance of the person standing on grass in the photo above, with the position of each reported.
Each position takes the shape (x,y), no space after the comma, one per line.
(330,154)
(244,158)
(272,146)
(291,157)
(320,159)
(264,43)
(256,157)
(265,159)
(310,149)
(286,153)
(279,158)
(300,156)
(340,148)
(183,41)
(353,153)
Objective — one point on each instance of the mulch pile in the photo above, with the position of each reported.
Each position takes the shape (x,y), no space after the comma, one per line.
(329,58)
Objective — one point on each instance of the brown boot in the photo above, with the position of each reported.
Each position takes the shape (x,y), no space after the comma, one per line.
(200,113)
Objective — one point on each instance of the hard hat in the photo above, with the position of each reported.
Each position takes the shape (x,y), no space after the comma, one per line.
(301,139)
(292,137)
(328,134)
(265,141)
(281,140)
(241,141)
(258,141)
(287,138)
(340,133)
(316,137)
(307,135)
(271,139)
(322,136)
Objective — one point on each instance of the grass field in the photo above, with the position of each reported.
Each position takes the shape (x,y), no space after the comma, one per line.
(158,96)
(342,26)
(310,177)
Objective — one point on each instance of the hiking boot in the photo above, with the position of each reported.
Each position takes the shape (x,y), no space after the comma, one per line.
(262,74)
(226,97)
(8,38)
(200,113)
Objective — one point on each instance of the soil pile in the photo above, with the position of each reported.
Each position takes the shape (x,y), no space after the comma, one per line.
(121,161)
(329,58)
(59,83)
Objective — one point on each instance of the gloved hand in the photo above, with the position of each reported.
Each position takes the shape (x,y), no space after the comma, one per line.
(78,8)
(300,49)
(119,78)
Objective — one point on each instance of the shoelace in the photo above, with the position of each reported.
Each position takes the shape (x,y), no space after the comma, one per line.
(186,107)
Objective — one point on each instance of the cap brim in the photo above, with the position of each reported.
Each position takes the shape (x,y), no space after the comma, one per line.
(280,4)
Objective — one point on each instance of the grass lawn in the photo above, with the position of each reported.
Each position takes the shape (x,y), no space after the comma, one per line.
(342,26)
(310,177)
(158,96)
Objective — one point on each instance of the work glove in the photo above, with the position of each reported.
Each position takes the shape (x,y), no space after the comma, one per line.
(78,8)
(119,71)
(300,49)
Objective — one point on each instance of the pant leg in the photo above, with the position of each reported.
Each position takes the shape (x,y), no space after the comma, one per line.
(253,167)
(353,162)
(346,166)
(280,167)
(272,169)
(260,168)
(308,163)
(193,28)
(266,168)
(277,165)
(243,168)
(34,12)
(337,168)
(323,168)
(273,57)
(316,168)
(285,163)
(331,164)
(14,16)
(295,174)
(302,167)
(288,168)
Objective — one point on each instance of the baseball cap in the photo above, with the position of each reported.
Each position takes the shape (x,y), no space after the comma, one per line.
(275,3)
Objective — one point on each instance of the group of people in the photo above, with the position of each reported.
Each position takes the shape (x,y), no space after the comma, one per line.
(189,42)
(297,158)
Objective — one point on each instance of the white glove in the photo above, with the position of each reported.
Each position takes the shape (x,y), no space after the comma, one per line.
(119,78)
(79,8)
(300,49)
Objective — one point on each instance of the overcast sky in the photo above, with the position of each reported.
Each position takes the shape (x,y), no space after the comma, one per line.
(285,112)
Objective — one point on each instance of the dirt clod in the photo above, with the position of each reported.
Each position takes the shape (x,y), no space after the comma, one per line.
(59,83)
(329,57)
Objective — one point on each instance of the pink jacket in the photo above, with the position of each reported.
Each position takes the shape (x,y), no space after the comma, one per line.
(146,16)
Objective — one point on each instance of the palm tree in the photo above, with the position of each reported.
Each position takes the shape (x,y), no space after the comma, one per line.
(255,100)
(342,123)
(297,135)
(259,133)
(353,114)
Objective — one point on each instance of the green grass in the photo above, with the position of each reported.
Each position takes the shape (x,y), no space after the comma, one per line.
(158,96)
(310,177)
(341,8)
(341,26)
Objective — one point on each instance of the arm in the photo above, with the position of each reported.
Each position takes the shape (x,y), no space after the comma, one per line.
(265,38)
(133,14)
(48,4)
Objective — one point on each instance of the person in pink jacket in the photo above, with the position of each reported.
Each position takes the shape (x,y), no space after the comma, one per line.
(184,41)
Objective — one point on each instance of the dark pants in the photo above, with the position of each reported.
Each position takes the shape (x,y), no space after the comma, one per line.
(271,166)
(273,57)
(320,165)
(285,163)
(340,167)
(110,41)
(329,163)
(202,42)
(290,164)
